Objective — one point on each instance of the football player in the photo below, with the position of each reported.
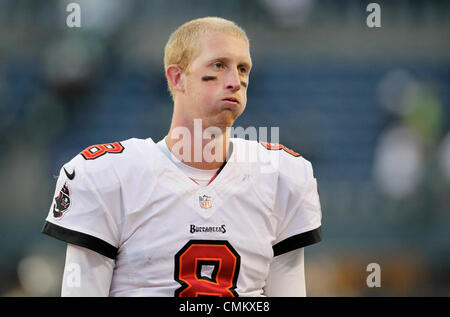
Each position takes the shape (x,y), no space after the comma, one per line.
(192,214)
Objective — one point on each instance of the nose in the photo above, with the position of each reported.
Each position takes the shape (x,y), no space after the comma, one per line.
(233,82)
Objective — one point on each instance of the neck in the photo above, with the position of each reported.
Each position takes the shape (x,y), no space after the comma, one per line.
(198,146)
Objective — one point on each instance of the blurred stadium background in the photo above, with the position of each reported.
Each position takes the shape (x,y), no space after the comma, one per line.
(369,107)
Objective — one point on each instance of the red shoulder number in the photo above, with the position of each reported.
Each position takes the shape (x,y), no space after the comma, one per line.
(94,151)
(276,146)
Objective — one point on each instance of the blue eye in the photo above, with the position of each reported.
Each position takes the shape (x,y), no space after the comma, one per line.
(218,65)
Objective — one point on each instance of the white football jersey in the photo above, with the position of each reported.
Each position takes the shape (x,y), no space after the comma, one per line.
(171,237)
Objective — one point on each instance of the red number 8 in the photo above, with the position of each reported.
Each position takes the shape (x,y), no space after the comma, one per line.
(188,269)
(276,146)
(94,151)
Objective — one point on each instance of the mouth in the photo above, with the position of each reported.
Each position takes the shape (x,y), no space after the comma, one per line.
(231,100)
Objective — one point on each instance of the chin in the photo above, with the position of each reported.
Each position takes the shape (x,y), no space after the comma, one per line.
(223,120)
(225,117)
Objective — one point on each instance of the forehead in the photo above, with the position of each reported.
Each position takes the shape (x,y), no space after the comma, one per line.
(222,45)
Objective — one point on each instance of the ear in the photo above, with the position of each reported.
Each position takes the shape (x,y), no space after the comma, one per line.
(174,77)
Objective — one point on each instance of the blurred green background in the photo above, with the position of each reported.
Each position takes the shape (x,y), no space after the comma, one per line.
(369,107)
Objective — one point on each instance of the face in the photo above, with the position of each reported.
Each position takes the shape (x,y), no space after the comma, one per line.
(216,83)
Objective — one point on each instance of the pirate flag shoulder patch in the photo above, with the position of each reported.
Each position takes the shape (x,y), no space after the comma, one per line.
(62,202)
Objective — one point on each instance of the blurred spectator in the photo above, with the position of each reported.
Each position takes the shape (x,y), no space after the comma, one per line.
(399,162)
(289,13)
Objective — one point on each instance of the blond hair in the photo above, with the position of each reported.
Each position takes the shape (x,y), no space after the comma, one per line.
(181,48)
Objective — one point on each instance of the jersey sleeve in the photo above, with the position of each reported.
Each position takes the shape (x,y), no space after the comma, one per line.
(85,209)
(297,207)
(286,276)
(86,273)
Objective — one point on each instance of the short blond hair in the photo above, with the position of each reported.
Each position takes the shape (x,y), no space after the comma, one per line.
(181,46)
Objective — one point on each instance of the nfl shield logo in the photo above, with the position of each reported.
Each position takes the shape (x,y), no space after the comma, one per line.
(205,201)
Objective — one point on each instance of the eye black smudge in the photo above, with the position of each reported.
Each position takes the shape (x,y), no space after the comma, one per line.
(208,78)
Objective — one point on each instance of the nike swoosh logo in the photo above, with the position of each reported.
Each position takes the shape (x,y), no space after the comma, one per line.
(70,176)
